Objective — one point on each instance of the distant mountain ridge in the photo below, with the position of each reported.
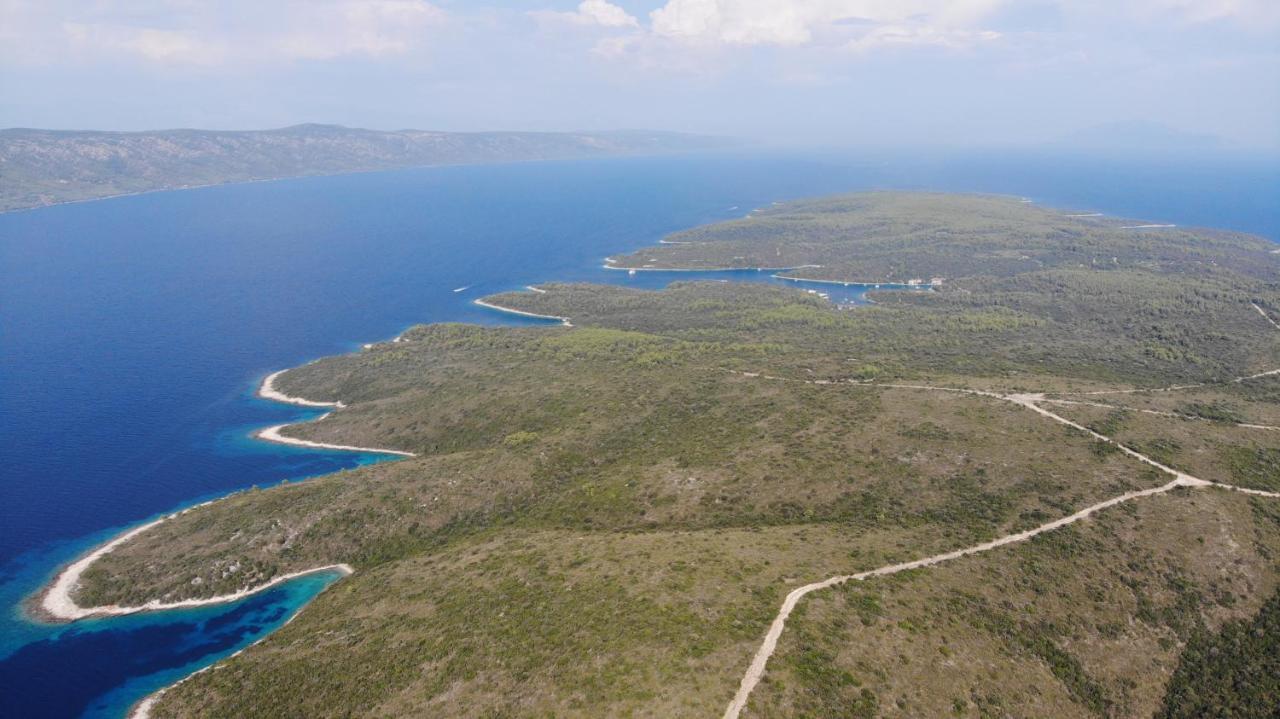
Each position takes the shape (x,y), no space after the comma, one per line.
(43,167)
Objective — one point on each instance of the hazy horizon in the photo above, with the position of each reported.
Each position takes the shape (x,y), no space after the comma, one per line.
(1135,137)
(835,72)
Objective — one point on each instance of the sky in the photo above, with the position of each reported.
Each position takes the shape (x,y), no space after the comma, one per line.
(852,72)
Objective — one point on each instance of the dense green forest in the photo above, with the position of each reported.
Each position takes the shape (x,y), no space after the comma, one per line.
(1233,673)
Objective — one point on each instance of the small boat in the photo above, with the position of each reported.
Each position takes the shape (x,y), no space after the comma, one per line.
(462,289)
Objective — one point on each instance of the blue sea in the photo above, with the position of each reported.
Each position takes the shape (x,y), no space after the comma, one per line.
(133,332)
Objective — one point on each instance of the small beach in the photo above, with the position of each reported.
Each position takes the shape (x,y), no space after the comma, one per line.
(55,602)
(499,308)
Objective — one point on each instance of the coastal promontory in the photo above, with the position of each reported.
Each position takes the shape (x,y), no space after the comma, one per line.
(1048,485)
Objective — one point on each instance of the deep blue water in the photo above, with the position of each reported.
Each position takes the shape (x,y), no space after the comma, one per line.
(134,330)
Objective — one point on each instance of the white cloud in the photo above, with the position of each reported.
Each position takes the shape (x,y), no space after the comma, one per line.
(870,24)
(373,28)
(836,22)
(595,13)
(153,44)
(230,32)
(600,12)
(886,36)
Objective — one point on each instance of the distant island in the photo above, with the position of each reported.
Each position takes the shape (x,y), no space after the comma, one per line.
(43,167)
(1048,487)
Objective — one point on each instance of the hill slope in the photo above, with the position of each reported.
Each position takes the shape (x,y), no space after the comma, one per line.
(40,167)
(605,519)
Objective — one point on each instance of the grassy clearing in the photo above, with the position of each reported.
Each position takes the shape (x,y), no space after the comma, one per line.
(1206,448)
(1053,627)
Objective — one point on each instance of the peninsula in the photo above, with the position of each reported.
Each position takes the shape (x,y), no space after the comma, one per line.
(1049,487)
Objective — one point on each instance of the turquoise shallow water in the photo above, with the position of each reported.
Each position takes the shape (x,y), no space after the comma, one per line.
(133,331)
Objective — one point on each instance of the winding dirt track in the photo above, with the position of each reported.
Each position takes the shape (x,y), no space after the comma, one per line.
(1029,400)
(1156,412)
(1265,316)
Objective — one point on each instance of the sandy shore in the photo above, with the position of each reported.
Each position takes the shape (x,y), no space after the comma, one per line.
(268,391)
(55,602)
(882,284)
(611,264)
(272,434)
(563,320)
(142,709)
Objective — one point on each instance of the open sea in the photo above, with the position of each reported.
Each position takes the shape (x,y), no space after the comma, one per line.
(134,331)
